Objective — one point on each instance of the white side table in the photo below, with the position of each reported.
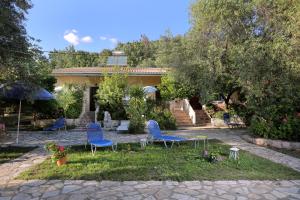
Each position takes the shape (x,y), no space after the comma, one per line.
(143,142)
(234,153)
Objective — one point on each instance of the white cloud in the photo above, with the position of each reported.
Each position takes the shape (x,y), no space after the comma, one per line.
(114,41)
(87,39)
(72,37)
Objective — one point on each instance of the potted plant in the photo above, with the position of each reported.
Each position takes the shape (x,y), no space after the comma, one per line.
(59,154)
(213,157)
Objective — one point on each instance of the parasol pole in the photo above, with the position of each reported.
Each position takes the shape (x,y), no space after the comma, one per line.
(20,105)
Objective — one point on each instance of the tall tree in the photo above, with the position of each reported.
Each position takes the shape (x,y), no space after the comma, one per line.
(217,28)
(171,50)
(139,53)
(14,39)
(249,47)
(17,48)
(70,57)
(104,54)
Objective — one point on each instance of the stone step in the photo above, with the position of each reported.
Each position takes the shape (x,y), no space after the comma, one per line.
(202,116)
(203,124)
(182,119)
(179,124)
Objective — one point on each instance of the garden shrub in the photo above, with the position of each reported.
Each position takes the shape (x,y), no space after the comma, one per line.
(219,114)
(244,113)
(284,130)
(110,96)
(260,127)
(75,109)
(45,109)
(210,109)
(70,99)
(164,118)
(150,105)
(136,110)
(170,88)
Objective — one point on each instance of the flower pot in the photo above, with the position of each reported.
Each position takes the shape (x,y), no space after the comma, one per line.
(61,161)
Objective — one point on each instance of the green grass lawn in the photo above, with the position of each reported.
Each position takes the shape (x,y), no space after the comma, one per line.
(11,152)
(180,163)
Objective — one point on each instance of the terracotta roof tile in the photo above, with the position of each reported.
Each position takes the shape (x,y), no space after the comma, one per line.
(110,70)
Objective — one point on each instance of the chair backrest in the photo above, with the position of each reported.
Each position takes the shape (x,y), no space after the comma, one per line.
(94,132)
(154,129)
(60,122)
(124,123)
(226,118)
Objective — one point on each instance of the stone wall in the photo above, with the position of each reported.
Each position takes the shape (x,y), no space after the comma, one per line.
(273,143)
(216,122)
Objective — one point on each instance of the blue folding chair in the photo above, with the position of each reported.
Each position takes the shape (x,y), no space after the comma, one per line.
(58,124)
(95,138)
(156,134)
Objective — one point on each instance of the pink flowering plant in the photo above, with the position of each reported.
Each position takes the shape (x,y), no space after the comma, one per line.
(57,151)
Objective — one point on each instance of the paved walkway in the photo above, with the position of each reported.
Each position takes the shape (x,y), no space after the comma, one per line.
(133,190)
(57,189)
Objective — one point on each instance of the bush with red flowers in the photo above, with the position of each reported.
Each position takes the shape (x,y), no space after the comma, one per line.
(57,151)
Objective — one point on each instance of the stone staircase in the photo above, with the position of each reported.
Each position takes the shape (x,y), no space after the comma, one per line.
(86,118)
(187,115)
(202,118)
(182,119)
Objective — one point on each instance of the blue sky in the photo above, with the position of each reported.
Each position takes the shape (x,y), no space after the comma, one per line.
(93,25)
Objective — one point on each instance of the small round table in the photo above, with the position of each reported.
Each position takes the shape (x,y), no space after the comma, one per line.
(143,142)
(234,153)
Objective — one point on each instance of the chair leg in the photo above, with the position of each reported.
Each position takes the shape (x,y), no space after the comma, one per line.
(165,144)
(114,147)
(92,149)
(172,144)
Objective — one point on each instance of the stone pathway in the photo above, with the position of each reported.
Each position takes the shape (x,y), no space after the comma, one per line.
(10,170)
(135,190)
(11,189)
(39,138)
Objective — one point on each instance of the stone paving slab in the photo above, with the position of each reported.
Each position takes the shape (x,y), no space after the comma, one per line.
(12,169)
(39,138)
(58,189)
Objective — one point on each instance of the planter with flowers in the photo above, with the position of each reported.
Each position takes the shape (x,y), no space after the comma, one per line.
(59,154)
